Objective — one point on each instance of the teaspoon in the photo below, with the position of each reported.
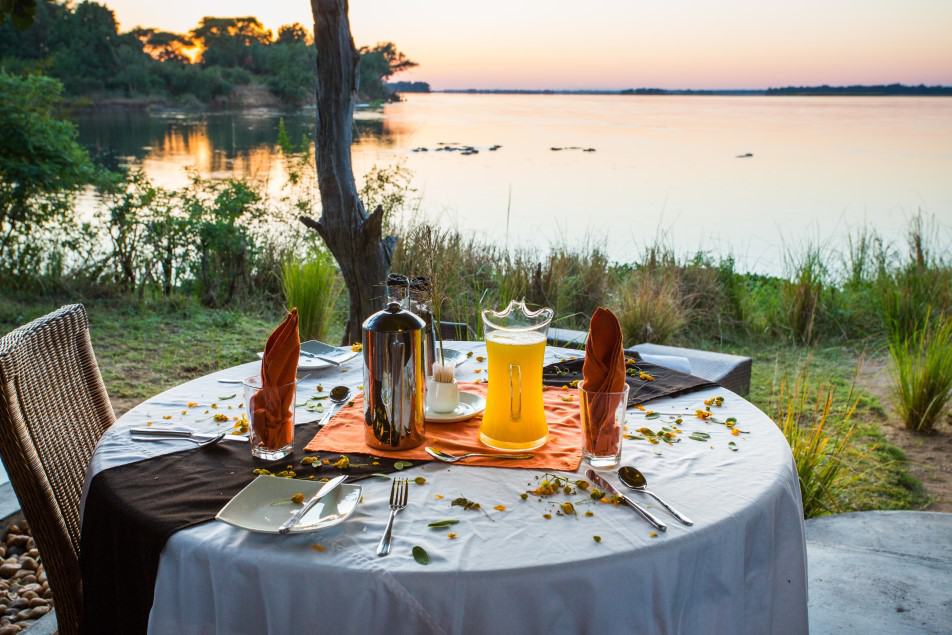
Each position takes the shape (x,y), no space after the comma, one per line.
(339,396)
(635,480)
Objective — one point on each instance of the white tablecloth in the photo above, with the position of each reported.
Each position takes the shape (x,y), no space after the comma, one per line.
(740,569)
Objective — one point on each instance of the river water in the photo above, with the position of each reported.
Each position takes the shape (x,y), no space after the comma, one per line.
(818,168)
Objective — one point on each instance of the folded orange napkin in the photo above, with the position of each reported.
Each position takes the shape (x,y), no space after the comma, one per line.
(603,371)
(272,406)
(345,434)
(604,367)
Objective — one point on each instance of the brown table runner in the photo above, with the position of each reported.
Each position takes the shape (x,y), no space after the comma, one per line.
(646,381)
(563,450)
(132,510)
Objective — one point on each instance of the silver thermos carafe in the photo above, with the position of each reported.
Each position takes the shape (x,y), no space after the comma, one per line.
(393,379)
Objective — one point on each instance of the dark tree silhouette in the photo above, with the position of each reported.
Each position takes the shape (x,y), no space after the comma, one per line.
(354,237)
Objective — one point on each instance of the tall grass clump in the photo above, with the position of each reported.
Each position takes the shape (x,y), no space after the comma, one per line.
(650,307)
(922,373)
(801,295)
(920,285)
(313,286)
(819,430)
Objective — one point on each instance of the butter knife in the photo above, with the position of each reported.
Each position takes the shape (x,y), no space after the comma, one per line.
(596,478)
(329,487)
(170,433)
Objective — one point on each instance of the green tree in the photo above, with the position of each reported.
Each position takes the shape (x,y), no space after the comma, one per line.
(42,166)
(376,66)
(289,33)
(229,41)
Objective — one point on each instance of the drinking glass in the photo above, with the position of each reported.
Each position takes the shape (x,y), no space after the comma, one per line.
(271,418)
(603,423)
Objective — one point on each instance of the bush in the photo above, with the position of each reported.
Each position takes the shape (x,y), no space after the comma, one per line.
(42,167)
(922,373)
(313,286)
(819,431)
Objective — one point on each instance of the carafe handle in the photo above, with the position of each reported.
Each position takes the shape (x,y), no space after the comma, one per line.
(515,391)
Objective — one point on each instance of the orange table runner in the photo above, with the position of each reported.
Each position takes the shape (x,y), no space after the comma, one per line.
(563,451)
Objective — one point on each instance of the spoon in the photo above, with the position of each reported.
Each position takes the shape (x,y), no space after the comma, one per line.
(636,480)
(339,395)
(440,455)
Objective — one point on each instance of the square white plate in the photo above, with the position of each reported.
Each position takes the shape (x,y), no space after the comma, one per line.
(265,503)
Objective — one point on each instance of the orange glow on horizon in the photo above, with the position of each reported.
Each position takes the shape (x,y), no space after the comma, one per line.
(615,44)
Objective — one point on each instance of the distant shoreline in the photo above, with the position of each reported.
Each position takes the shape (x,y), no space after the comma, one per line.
(888,90)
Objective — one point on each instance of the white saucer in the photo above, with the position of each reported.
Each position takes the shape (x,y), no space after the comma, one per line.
(469,406)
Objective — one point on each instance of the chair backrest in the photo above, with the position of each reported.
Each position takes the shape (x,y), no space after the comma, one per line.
(53,410)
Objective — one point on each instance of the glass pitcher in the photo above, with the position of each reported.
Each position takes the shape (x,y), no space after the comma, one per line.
(515,345)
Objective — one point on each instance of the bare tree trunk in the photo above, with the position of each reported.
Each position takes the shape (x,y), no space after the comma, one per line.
(354,238)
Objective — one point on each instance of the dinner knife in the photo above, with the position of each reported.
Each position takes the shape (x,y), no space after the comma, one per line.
(329,487)
(596,478)
(166,433)
(329,360)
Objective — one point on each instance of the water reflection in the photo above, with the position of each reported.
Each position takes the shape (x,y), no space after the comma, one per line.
(819,166)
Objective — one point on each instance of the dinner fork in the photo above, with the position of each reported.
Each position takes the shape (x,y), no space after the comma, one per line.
(398,501)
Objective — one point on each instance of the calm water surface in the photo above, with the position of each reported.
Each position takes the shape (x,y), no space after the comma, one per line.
(820,166)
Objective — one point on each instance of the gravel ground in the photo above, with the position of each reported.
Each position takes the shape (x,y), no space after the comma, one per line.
(25,594)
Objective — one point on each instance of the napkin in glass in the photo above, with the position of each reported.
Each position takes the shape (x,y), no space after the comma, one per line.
(272,406)
(603,371)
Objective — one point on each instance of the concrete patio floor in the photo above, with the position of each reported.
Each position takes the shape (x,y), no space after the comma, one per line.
(877,573)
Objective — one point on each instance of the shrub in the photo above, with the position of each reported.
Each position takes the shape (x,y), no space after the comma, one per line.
(922,373)
(819,431)
(313,286)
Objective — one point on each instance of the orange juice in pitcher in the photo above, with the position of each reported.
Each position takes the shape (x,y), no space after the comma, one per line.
(515,345)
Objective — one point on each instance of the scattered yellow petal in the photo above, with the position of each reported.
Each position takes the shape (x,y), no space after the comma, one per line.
(191,404)
(297,498)
(185,412)
(214,405)
(589,514)
(148,424)
(318,547)
(480,358)
(451,535)
(438,497)
(735,432)
(645,376)
(653,534)
(167,417)
(639,407)
(420,480)
(356,347)
(342,463)
(547,516)
(500,508)
(478,370)
(220,417)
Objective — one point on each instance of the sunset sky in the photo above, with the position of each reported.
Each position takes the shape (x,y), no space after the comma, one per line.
(623,43)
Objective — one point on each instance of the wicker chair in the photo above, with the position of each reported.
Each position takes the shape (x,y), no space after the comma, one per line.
(53,410)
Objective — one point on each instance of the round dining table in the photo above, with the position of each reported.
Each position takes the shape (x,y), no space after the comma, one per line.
(516,568)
